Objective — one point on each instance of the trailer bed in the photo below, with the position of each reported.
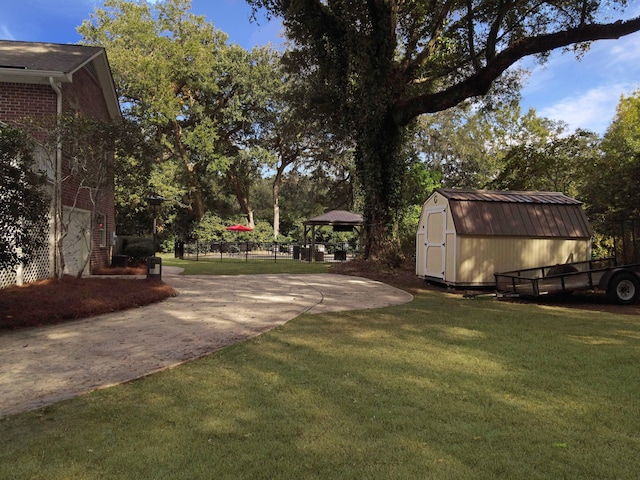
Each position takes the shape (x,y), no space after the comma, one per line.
(554,279)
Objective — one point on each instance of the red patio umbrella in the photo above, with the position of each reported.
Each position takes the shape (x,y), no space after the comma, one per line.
(239,228)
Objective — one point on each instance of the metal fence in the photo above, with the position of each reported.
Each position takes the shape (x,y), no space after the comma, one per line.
(269,251)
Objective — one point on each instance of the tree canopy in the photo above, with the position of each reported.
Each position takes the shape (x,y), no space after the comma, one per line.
(611,180)
(379,64)
(191,93)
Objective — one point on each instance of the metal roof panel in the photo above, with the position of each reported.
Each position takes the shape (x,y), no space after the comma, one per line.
(522,214)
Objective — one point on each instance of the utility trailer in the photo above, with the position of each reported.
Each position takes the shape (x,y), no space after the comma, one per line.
(620,282)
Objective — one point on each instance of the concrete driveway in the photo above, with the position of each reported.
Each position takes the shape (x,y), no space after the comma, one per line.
(41,366)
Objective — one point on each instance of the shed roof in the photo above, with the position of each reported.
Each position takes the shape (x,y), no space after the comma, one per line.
(336,217)
(512,213)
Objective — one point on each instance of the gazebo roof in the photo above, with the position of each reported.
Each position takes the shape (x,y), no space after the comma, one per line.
(336,217)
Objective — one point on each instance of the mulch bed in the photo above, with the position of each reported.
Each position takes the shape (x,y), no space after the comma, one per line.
(53,301)
(130,270)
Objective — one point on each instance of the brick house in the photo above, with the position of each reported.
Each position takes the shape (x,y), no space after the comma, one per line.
(44,81)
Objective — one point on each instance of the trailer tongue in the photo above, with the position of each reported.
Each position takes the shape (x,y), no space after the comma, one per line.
(621,282)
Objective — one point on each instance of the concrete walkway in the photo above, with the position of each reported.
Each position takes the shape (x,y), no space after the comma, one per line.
(41,366)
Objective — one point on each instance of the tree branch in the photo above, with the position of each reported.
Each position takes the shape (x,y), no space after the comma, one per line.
(430,48)
(470,37)
(479,83)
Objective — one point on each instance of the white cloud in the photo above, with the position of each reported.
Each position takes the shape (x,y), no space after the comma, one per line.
(5,33)
(585,93)
(625,50)
(592,110)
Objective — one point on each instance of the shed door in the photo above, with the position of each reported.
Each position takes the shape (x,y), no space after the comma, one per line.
(435,257)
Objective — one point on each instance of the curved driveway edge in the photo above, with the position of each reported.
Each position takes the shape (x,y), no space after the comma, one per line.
(45,365)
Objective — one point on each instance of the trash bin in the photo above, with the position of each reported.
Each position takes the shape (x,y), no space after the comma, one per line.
(179,250)
(154,268)
(119,260)
(296,252)
(340,255)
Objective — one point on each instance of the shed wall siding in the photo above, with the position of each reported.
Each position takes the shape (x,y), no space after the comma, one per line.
(451,273)
(480,257)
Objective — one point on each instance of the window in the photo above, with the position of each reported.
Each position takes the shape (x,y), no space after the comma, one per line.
(102,229)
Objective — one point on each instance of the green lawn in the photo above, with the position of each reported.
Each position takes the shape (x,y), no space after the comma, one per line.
(440,388)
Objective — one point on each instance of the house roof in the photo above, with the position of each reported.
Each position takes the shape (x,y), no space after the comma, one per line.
(41,63)
(512,213)
(336,217)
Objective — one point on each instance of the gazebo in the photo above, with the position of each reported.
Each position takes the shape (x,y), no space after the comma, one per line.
(339,220)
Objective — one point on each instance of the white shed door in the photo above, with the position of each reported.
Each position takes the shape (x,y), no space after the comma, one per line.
(435,257)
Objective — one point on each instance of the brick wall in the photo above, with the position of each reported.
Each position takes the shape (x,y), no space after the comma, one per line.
(83,95)
(19,101)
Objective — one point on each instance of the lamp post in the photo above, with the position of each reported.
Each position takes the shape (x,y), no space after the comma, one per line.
(154,264)
(155,201)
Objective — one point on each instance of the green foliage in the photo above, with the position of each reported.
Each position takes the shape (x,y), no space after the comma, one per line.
(139,248)
(262,232)
(210,229)
(186,89)
(133,180)
(24,203)
(374,67)
(615,176)
(611,187)
(555,162)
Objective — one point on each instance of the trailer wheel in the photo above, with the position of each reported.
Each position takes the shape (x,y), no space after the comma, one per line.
(623,288)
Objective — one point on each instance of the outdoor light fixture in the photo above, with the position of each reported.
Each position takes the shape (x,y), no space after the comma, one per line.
(155,201)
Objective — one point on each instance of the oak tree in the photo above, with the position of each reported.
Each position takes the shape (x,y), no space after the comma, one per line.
(379,64)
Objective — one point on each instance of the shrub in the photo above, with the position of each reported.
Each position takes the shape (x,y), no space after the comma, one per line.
(139,250)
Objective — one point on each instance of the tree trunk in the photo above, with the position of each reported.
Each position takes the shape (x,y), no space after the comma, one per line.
(276,199)
(381,170)
(238,179)
(198,204)
(276,216)
(243,202)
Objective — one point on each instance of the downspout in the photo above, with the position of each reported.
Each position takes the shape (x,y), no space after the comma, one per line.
(57,188)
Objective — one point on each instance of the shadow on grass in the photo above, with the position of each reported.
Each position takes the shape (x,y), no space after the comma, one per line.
(439,388)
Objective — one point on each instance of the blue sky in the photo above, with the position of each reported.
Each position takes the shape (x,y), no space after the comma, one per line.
(584,94)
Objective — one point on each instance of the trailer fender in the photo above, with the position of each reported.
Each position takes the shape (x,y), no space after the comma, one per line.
(604,280)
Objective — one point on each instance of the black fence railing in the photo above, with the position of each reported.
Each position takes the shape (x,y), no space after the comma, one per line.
(267,251)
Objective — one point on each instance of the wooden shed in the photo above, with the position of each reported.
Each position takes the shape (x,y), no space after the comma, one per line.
(465,236)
